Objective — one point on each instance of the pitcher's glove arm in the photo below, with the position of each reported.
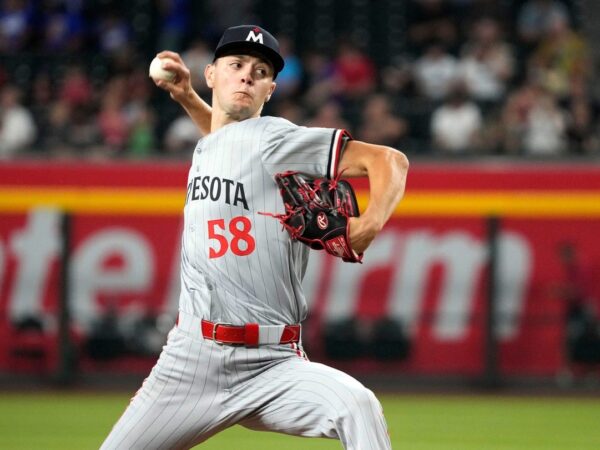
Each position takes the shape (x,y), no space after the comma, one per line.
(317,212)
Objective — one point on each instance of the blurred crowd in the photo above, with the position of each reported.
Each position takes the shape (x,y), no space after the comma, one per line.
(476,77)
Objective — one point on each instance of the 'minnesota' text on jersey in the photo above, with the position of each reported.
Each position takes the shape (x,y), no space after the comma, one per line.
(239,266)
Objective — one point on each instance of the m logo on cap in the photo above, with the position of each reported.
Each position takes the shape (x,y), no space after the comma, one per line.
(255,37)
(250,38)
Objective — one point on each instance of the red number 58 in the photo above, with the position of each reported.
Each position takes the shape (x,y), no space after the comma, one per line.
(239,233)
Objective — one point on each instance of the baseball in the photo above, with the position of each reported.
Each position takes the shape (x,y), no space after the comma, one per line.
(157,72)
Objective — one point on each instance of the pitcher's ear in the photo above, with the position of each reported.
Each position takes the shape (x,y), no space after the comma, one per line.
(209,74)
(273,86)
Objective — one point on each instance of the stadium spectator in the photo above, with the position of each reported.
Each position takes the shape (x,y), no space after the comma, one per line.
(113,36)
(72,132)
(354,72)
(141,142)
(17,126)
(545,129)
(137,96)
(329,115)
(54,138)
(397,77)
(182,135)
(561,56)
(456,124)
(82,136)
(534,123)
(486,63)
(112,119)
(379,125)
(197,56)
(174,20)
(63,26)
(76,87)
(319,74)
(583,111)
(16,30)
(515,115)
(435,72)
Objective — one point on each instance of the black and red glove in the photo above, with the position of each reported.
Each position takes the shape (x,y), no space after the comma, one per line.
(317,212)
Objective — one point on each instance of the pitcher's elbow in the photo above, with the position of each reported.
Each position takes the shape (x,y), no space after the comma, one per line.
(398,159)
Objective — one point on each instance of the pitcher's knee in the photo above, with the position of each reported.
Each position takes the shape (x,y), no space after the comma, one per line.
(363,401)
(369,402)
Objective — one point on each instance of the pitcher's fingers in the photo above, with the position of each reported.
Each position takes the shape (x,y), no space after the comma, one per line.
(166,85)
(180,70)
(170,54)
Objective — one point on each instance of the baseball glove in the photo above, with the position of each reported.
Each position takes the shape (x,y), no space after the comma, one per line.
(317,212)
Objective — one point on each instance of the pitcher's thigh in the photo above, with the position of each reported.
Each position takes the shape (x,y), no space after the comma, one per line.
(310,399)
(177,405)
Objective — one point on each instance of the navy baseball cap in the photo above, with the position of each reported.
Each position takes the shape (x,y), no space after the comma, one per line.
(250,38)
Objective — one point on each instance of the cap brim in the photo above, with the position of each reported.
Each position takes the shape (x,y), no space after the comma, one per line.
(243,47)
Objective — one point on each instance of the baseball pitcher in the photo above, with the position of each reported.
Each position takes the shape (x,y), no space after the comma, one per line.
(235,355)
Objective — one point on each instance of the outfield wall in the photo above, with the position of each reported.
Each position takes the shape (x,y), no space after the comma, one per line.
(427,269)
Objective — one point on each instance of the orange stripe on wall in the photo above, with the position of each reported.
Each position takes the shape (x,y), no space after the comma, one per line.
(419,203)
(502,203)
(94,201)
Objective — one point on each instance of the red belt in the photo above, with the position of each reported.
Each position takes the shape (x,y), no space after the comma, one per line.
(248,335)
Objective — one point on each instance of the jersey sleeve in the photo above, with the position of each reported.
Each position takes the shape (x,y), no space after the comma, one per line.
(312,150)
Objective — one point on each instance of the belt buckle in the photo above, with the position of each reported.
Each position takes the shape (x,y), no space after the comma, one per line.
(214,332)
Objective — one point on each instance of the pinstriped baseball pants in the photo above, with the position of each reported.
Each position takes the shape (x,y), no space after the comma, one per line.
(198,388)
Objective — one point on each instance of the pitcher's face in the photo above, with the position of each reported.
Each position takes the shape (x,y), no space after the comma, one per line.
(241,85)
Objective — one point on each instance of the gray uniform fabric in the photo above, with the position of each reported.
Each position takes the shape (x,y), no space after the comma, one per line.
(238,267)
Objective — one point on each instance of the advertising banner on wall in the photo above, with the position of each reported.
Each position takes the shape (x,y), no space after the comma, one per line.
(428,271)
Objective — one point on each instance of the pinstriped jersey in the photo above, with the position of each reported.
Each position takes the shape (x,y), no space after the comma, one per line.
(239,266)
